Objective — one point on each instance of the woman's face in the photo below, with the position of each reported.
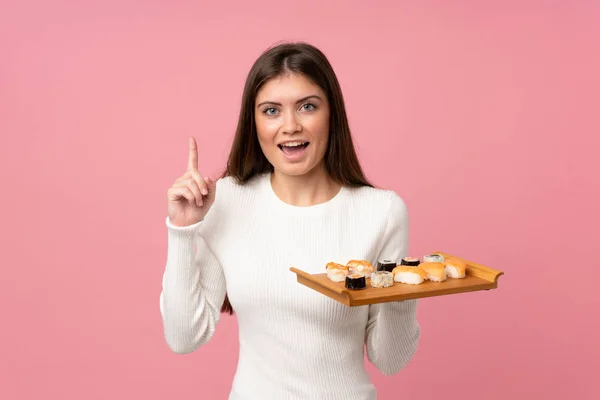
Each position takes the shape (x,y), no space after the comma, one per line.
(292,122)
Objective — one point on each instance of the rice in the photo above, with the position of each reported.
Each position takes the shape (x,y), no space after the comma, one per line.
(454,272)
(434,278)
(336,274)
(410,278)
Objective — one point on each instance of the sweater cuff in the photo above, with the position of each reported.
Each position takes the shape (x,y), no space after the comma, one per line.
(181,231)
(181,245)
(181,239)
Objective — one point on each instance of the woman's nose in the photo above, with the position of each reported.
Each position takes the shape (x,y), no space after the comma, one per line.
(290,123)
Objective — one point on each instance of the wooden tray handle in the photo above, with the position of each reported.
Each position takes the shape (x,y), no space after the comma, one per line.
(477,270)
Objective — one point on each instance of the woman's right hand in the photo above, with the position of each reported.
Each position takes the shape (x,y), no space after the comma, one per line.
(192,195)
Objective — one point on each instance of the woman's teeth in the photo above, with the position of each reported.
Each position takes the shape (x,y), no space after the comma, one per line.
(293,148)
(292,144)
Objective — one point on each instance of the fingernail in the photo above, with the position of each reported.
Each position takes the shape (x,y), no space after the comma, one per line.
(204,191)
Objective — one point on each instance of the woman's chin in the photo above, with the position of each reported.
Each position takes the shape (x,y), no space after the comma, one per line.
(292,170)
(296,169)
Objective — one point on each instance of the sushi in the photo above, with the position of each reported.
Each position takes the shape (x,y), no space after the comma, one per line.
(362,267)
(435,271)
(386,265)
(336,272)
(356,281)
(409,275)
(455,268)
(382,279)
(410,261)
(435,258)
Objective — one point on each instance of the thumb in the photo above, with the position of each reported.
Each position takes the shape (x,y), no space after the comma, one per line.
(212,188)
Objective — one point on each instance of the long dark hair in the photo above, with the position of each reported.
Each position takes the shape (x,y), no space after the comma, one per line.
(246,158)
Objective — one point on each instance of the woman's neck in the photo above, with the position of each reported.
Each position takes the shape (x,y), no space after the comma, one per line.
(310,189)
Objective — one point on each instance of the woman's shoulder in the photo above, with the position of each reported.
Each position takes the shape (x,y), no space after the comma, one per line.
(230,196)
(384,198)
(381,208)
(229,188)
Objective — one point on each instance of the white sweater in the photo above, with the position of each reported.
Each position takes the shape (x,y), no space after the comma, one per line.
(294,343)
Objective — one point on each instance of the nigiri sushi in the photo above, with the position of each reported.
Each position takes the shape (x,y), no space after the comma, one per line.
(337,272)
(409,275)
(362,267)
(455,268)
(435,271)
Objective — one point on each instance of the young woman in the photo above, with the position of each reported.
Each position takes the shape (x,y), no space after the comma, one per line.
(293,194)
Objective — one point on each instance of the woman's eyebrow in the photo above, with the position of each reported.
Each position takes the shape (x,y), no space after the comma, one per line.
(299,101)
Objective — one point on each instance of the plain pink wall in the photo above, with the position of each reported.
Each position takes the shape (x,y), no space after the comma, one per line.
(484,116)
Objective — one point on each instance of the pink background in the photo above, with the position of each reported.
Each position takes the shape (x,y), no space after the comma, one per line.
(484,116)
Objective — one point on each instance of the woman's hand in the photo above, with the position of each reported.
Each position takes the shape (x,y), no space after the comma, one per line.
(192,195)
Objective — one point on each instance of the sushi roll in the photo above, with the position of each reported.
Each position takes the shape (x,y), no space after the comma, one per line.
(382,279)
(386,265)
(409,275)
(410,261)
(455,268)
(356,281)
(435,271)
(435,258)
(336,272)
(362,267)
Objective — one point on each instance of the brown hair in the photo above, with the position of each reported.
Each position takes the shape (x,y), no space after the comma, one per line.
(246,158)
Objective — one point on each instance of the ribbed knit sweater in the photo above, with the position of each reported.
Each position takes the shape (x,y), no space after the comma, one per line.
(294,343)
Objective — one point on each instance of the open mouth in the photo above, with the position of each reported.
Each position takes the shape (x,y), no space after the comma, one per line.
(293,148)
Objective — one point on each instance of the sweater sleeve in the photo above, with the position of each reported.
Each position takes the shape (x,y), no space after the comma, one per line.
(193,289)
(392,332)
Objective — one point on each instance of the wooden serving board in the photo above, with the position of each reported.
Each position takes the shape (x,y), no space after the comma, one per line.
(478,277)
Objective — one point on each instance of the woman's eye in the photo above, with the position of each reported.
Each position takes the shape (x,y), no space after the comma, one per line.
(270,111)
(309,107)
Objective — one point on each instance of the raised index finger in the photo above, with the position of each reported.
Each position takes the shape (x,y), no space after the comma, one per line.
(193,154)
